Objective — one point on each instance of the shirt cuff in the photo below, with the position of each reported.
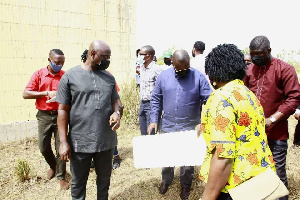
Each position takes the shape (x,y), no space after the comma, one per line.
(297,111)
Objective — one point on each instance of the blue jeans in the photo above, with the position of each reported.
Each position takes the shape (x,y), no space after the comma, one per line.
(279,151)
(144,116)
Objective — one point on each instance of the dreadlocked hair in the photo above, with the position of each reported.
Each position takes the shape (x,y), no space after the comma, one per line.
(225,63)
(84,55)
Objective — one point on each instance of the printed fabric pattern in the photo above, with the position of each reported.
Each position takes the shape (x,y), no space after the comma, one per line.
(233,124)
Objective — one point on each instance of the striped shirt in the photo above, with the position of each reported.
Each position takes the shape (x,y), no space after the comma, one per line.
(148,78)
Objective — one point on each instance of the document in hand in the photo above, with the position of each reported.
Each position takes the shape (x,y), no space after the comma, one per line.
(51,100)
(169,150)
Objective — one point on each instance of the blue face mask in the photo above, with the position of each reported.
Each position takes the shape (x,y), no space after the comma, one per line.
(55,68)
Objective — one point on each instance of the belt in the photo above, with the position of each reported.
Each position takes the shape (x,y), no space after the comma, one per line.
(50,112)
(145,101)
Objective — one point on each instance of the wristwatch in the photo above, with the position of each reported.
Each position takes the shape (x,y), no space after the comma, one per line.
(273,119)
(118,112)
(121,107)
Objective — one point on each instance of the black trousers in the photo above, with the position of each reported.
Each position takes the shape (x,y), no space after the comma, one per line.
(186,175)
(80,167)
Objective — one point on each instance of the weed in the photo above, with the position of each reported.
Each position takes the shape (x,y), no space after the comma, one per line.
(22,171)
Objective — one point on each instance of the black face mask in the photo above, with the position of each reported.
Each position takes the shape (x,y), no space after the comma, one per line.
(183,73)
(248,63)
(259,60)
(193,54)
(103,66)
(168,62)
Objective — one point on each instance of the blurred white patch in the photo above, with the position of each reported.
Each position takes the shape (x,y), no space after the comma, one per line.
(169,150)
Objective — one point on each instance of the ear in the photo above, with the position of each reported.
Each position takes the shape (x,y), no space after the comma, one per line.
(49,60)
(269,50)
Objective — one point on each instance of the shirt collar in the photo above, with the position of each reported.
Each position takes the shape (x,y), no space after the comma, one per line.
(47,72)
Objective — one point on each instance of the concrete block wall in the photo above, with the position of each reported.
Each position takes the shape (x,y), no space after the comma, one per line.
(29,29)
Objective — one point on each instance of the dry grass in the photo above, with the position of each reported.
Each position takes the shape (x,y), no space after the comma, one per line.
(126,182)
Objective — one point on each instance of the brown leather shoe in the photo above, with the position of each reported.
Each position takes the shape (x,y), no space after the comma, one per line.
(64,185)
(185,193)
(163,188)
(50,174)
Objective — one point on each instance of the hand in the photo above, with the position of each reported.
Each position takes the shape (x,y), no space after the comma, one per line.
(152,126)
(198,129)
(268,122)
(64,151)
(114,119)
(51,94)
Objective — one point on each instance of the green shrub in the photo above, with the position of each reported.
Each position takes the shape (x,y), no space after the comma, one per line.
(22,171)
(130,97)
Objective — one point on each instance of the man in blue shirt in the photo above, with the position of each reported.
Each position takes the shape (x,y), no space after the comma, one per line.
(179,92)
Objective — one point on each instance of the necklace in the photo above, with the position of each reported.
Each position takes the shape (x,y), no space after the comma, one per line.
(259,89)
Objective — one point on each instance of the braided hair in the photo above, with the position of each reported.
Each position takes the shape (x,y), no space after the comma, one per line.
(225,63)
(84,55)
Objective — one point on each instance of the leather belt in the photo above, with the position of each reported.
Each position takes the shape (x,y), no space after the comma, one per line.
(50,112)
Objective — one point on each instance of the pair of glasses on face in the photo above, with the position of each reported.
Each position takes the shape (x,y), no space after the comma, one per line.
(181,69)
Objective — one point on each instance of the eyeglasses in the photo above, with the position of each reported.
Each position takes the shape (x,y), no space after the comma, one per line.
(143,54)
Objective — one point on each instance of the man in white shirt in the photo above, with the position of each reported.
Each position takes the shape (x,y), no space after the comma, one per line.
(148,74)
(199,59)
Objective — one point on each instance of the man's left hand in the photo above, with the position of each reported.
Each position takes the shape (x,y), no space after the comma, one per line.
(114,119)
(268,122)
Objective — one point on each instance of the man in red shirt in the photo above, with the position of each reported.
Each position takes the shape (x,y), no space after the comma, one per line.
(43,86)
(276,85)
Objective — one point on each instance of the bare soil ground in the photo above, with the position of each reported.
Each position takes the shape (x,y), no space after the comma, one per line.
(126,181)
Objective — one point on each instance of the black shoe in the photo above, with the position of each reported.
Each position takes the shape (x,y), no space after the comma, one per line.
(163,188)
(116,163)
(185,193)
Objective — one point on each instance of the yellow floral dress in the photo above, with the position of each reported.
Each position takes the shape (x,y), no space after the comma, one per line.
(233,122)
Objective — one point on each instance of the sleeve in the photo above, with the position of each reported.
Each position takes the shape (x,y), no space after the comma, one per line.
(219,123)
(63,95)
(114,95)
(33,84)
(156,102)
(205,89)
(291,90)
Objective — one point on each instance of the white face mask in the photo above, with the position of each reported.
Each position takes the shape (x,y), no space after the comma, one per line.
(140,60)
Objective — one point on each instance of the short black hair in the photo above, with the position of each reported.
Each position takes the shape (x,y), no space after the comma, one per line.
(199,46)
(225,63)
(137,52)
(259,41)
(56,51)
(149,49)
(84,55)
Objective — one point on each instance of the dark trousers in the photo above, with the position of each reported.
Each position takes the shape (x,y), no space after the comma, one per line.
(279,151)
(186,175)
(116,152)
(297,134)
(144,116)
(47,125)
(80,167)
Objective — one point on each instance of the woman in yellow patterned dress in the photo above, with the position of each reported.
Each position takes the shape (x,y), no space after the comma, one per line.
(233,126)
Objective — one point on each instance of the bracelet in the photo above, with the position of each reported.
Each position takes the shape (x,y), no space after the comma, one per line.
(47,93)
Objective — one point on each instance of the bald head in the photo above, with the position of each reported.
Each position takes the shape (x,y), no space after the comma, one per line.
(98,51)
(98,45)
(181,59)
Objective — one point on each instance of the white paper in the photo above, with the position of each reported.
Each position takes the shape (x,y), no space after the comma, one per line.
(169,150)
(51,100)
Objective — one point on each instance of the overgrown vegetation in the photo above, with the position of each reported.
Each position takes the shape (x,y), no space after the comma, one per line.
(22,171)
(130,97)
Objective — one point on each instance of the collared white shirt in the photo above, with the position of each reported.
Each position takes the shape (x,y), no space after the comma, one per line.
(148,78)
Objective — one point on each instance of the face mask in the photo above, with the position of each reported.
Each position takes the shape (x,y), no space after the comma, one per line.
(193,54)
(168,62)
(140,60)
(55,68)
(103,66)
(248,63)
(259,60)
(183,73)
